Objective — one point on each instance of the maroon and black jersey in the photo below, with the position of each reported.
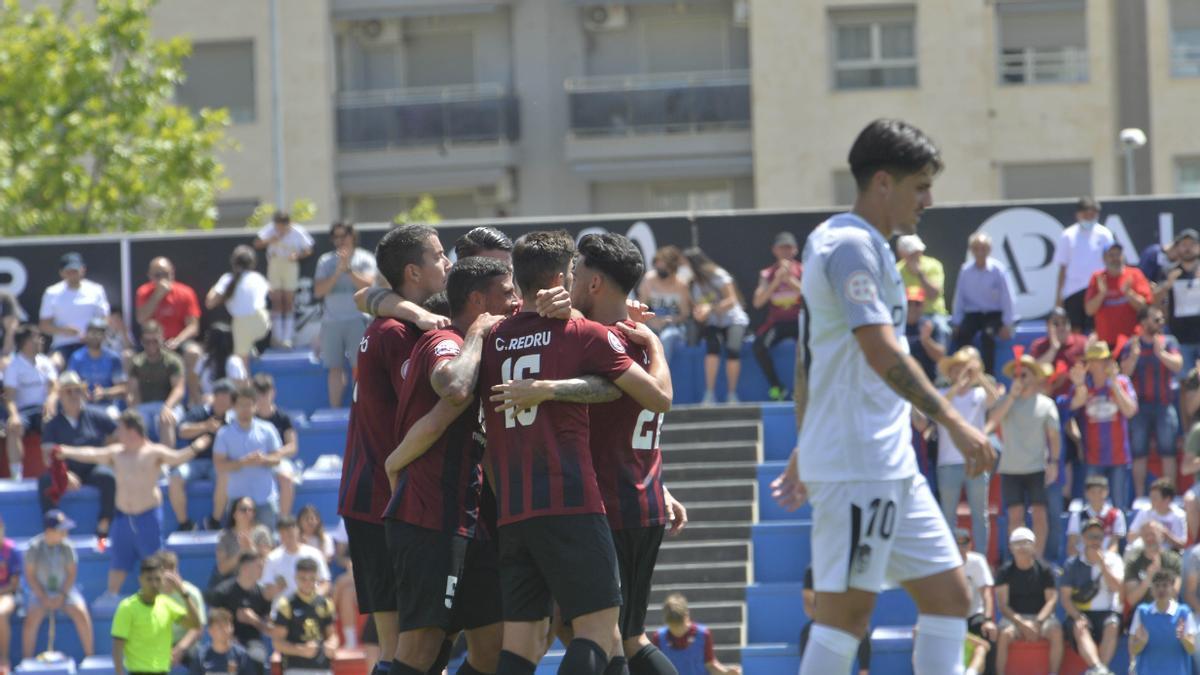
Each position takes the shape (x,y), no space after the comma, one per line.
(440,489)
(540,459)
(624,440)
(383,353)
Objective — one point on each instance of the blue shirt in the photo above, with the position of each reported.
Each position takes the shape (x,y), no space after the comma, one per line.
(99,371)
(689,654)
(1163,655)
(984,290)
(212,661)
(91,429)
(235,442)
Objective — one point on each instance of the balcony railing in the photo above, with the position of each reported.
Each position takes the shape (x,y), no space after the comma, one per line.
(1039,66)
(426,116)
(627,105)
(1185,59)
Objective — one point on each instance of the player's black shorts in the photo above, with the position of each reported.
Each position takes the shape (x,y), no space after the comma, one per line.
(443,580)
(637,552)
(374,582)
(565,559)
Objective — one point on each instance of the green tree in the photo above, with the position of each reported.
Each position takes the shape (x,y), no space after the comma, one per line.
(424,212)
(90,137)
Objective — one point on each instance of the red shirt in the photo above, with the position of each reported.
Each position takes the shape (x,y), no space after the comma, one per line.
(440,489)
(1116,316)
(1069,353)
(383,356)
(174,309)
(624,440)
(1153,381)
(785,303)
(540,460)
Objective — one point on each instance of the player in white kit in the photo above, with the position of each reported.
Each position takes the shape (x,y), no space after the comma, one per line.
(875,521)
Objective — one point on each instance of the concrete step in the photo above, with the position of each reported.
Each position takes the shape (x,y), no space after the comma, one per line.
(710,451)
(699,592)
(685,414)
(710,531)
(728,654)
(703,612)
(714,491)
(704,552)
(741,511)
(696,432)
(681,470)
(698,573)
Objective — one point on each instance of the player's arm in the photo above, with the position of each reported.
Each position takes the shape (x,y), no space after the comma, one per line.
(421,436)
(384,302)
(525,394)
(651,387)
(1125,399)
(88,455)
(455,379)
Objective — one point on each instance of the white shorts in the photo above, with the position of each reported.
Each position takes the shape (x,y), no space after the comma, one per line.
(873,535)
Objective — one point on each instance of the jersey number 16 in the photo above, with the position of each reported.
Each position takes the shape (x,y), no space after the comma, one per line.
(524,368)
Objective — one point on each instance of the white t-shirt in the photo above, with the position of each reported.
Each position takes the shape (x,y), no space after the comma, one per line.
(1105,599)
(972,405)
(250,295)
(31,379)
(979,578)
(1175,522)
(858,429)
(1110,514)
(235,369)
(73,308)
(280,563)
(296,240)
(1082,252)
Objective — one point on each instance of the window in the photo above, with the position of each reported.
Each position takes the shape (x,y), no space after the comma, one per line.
(220,75)
(1187,175)
(709,195)
(874,49)
(701,194)
(1051,180)
(845,190)
(1185,38)
(1042,42)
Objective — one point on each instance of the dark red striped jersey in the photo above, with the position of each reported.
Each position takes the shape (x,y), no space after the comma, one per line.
(383,356)
(440,489)
(625,452)
(540,459)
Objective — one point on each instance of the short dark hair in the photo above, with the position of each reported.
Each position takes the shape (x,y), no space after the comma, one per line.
(1087,204)
(263,382)
(400,247)
(306,565)
(481,239)
(1163,575)
(1166,489)
(471,274)
(23,334)
(539,256)
(437,303)
(242,259)
(133,420)
(247,557)
(615,256)
(285,521)
(1144,313)
(345,226)
(220,615)
(244,391)
(281,216)
(151,563)
(894,146)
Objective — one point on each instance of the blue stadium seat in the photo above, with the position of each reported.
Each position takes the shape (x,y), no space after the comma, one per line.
(97,665)
(779,430)
(774,658)
(34,666)
(782,550)
(197,555)
(324,434)
(891,650)
(299,379)
(321,490)
(23,516)
(774,612)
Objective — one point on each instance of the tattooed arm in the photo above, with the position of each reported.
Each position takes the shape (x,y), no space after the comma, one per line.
(525,394)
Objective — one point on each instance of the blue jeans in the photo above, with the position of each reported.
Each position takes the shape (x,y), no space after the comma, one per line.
(951,478)
(1189,352)
(1118,483)
(673,337)
(1162,420)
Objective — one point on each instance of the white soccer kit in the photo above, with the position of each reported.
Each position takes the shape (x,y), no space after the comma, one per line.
(875,521)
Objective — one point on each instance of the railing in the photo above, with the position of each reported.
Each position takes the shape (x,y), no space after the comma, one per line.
(1185,60)
(659,104)
(426,116)
(1037,65)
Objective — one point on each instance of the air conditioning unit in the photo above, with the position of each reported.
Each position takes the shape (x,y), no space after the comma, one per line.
(605,17)
(741,13)
(377,32)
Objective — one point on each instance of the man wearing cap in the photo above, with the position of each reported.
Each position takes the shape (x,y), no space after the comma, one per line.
(1090,591)
(779,291)
(1151,360)
(1060,349)
(100,369)
(984,304)
(1104,401)
(79,425)
(1115,295)
(51,566)
(199,428)
(926,338)
(70,304)
(1027,597)
(918,270)
(1079,255)
(1180,289)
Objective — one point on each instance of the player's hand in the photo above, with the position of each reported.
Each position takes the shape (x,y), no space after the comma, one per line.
(701,311)
(484,322)
(520,394)
(55,602)
(638,333)
(639,312)
(787,489)
(167,416)
(171,582)
(1051,474)
(427,321)
(553,303)
(676,511)
(1180,629)
(974,446)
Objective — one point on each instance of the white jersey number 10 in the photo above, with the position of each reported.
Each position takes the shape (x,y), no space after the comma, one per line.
(526,366)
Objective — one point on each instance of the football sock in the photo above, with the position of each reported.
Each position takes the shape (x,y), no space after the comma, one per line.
(382,668)
(583,657)
(443,658)
(467,669)
(939,644)
(514,664)
(400,668)
(617,666)
(829,651)
(650,661)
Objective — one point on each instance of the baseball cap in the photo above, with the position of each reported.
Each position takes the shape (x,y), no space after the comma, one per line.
(57,520)
(1189,233)
(909,243)
(1021,534)
(915,294)
(71,260)
(785,239)
(1092,522)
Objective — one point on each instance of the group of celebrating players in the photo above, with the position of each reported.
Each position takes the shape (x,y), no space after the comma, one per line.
(502,474)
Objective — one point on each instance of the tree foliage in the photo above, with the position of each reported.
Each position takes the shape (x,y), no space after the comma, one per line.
(90,137)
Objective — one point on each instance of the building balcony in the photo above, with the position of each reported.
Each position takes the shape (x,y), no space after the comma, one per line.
(674,103)
(468,115)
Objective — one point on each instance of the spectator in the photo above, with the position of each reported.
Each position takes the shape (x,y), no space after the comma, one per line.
(1162,636)
(1029,425)
(1146,558)
(339,274)
(69,305)
(984,303)
(1115,295)
(979,579)
(144,623)
(199,428)
(1079,255)
(222,655)
(717,306)
(156,383)
(242,534)
(1060,349)
(304,632)
(1171,519)
(1151,359)
(487,242)
(30,394)
(117,338)
(1191,467)
(312,532)
(779,285)
(245,453)
(688,646)
(1154,261)
(279,572)
(173,304)
(250,604)
(809,598)
(76,424)
(918,270)
(51,569)
(11,564)
(243,293)
(286,472)
(287,244)
(1104,402)
(1028,598)
(665,291)
(1181,290)
(1097,508)
(926,339)
(1058,491)
(185,640)
(1090,591)
(10,320)
(219,361)
(100,369)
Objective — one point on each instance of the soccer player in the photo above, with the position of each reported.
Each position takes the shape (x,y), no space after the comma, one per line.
(411,259)
(555,544)
(874,518)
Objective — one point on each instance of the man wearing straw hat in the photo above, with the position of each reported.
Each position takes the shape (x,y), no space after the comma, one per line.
(1104,401)
(1029,424)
